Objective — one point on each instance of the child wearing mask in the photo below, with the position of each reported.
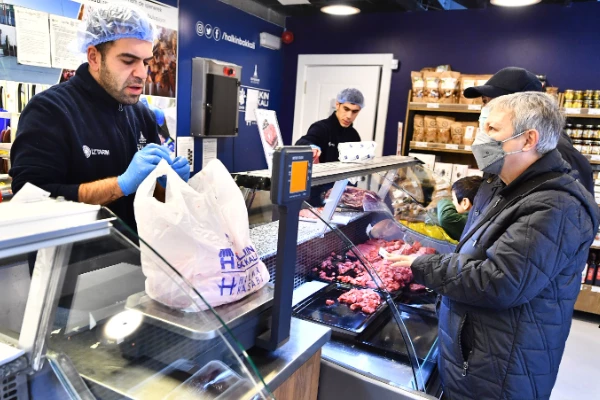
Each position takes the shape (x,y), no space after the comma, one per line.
(453,214)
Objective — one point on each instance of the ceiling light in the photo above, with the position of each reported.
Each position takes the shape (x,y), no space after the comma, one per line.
(514,3)
(340,10)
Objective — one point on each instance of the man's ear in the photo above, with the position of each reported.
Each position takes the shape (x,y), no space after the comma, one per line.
(94,58)
(532,138)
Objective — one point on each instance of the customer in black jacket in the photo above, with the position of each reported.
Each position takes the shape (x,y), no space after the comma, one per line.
(510,287)
(89,140)
(325,135)
(513,80)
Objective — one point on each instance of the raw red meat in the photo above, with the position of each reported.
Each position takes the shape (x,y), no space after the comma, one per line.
(330,302)
(352,271)
(354,197)
(365,300)
(271,135)
(306,213)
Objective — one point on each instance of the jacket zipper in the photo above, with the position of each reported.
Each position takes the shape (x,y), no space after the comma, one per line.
(465,362)
(120,107)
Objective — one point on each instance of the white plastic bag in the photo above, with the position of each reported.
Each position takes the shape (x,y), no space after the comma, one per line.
(202,231)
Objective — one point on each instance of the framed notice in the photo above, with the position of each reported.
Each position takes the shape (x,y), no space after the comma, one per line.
(270,134)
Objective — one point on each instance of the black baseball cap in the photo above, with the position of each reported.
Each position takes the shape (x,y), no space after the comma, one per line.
(506,81)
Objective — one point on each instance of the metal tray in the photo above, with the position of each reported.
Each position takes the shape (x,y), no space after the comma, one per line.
(385,338)
(343,321)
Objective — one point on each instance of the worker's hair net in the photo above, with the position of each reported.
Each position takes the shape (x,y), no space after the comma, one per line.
(353,96)
(112,22)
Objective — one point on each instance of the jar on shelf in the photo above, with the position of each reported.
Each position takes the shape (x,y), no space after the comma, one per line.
(597,95)
(596,104)
(569,94)
(577,145)
(595,150)
(569,130)
(578,95)
(596,134)
(578,131)
(588,95)
(588,132)
(577,104)
(568,103)
(586,147)
(588,104)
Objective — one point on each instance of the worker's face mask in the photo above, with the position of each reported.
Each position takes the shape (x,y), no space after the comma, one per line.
(489,153)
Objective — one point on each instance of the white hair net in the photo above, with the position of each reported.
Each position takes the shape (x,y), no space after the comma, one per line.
(111,22)
(353,96)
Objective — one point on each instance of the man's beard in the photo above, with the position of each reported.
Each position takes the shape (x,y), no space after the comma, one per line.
(110,84)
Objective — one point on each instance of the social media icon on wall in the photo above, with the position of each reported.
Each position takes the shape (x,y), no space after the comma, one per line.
(208,31)
(200,28)
(217,34)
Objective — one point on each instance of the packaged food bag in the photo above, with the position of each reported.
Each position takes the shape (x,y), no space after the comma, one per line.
(202,231)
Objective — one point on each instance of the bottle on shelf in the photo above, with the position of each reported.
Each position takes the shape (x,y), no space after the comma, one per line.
(591,269)
(597,280)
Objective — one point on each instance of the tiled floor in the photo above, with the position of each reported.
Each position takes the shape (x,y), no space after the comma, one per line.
(579,374)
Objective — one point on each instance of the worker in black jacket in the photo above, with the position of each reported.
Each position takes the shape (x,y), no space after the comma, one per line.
(507,81)
(89,140)
(325,135)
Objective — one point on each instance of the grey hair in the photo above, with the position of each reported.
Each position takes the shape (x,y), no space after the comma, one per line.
(533,110)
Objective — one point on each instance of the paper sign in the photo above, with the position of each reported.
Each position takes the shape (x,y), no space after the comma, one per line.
(270,134)
(594,111)
(468,148)
(433,105)
(185,148)
(420,144)
(452,146)
(251,105)
(475,107)
(595,289)
(469,132)
(573,110)
(33,37)
(63,31)
(209,151)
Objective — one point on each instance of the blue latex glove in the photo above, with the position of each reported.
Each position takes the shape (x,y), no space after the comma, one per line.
(182,167)
(143,163)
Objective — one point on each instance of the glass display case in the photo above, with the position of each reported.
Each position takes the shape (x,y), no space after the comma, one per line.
(384,325)
(89,324)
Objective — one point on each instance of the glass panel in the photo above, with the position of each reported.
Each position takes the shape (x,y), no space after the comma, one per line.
(125,344)
(397,212)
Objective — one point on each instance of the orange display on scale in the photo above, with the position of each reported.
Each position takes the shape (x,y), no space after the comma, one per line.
(299,176)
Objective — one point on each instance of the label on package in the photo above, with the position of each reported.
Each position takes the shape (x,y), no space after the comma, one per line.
(469,132)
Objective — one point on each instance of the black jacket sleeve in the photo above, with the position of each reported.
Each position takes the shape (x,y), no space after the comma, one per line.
(519,264)
(40,154)
(317,135)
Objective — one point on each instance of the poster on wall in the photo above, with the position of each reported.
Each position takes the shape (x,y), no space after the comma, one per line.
(63,32)
(270,134)
(33,37)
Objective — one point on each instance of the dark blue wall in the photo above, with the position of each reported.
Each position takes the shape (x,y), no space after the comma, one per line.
(245,152)
(562,43)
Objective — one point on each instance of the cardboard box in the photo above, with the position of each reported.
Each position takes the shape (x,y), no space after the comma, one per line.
(459,171)
(588,299)
(474,172)
(443,170)
(428,159)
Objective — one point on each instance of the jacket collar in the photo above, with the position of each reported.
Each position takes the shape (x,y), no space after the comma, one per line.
(550,162)
(84,79)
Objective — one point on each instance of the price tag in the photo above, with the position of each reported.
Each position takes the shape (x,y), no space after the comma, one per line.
(420,144)
(475,107)
(452,146)
(468,148)
(573,110)
(595,157)
(581,288)
(433,105)
(595,289)
(594,111)
(469,132)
